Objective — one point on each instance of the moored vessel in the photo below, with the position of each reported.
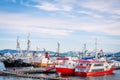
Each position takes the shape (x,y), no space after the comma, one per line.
(93,68)
(66,67)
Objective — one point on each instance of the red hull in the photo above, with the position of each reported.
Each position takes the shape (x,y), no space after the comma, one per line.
(84,74)
(65,71)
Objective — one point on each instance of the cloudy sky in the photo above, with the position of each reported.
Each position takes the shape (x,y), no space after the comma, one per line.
(72,23)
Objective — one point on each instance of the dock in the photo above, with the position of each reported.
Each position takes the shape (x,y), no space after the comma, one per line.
(33,70)
(42,76)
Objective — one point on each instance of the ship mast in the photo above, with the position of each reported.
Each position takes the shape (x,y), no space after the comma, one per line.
(44,50)
(28,43)
(18,45)
(96,55)
(84,50)
(58,50)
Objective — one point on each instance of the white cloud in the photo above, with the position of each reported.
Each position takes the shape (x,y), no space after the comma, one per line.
(102,6)
(115,17)
(11,23)
(47,6)
(24,24)
(96,4)
(67,8)
(53,31)
(110,6)
(21,29)
(64,22)
(53,7)
(112,28)
(117,11)
(90,14)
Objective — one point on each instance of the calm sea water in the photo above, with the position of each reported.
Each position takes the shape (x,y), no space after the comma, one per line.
(115,76)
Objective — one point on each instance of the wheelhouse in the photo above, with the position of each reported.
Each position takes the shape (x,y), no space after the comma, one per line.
(91,66)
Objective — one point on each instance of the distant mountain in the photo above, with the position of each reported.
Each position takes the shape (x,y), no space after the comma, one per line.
(8,50)
(12,51)
(117,54)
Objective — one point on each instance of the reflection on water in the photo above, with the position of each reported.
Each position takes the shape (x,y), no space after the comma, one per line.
(115,76)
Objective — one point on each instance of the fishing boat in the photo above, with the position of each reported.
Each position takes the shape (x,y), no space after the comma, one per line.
(93,68)
(18,60)
(16,63)
(66,66)
(43,60)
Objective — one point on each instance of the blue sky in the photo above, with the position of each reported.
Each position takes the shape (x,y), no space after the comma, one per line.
(72,23)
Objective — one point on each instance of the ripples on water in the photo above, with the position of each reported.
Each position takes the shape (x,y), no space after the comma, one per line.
(115,76)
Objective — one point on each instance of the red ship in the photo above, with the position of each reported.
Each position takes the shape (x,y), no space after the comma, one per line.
(93,68)
(66,66)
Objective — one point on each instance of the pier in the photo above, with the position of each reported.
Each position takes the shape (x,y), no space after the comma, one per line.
(33,70)
(26,75)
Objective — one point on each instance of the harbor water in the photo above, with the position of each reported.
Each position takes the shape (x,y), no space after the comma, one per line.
(114,76)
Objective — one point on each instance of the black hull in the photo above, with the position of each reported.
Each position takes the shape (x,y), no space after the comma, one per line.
(16,63)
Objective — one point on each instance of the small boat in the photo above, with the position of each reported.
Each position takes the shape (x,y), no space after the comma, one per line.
(93,68)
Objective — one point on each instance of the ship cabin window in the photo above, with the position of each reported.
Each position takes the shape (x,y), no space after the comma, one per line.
(84,64)
(97,70)
(106,66)
(81,64)
(89,65)
(80,70)
(98,64)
